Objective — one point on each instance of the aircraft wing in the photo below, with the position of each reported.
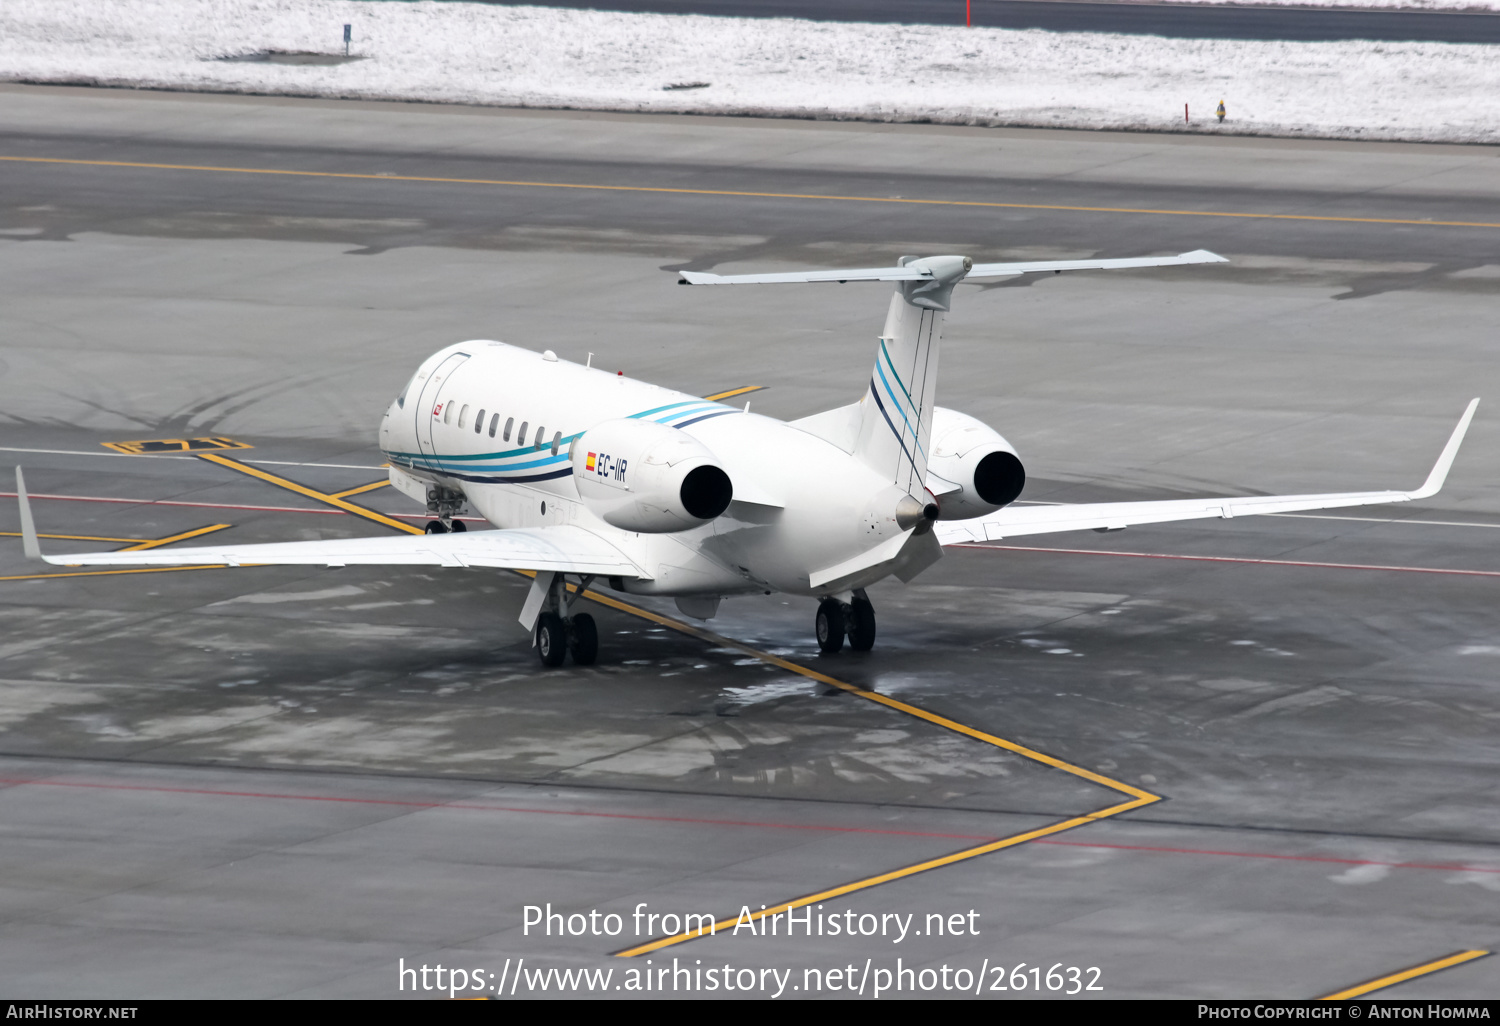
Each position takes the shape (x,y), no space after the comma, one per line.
(564,549)
(1016,522)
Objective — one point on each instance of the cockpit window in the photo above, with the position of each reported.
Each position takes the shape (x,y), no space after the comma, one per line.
(401,399)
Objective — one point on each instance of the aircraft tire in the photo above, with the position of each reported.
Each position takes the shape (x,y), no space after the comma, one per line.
(829,626)
(458,527)
(861,624)
(551,639)
(434,527)
(583,640)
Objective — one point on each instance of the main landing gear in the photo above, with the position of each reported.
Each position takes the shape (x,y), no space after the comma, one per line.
(854,619)
(560,631)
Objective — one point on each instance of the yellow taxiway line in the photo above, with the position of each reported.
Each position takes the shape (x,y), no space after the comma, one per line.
(899,200)
(744,390)
(1426,968)
(184,536)
(1136,796)
(362,489)
(109,573)
(79,537)
(133,545)
(312,493)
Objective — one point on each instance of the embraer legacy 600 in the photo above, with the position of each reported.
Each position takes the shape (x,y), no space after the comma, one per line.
(592,475)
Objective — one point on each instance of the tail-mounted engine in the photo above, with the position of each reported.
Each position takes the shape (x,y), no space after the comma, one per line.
(642,476)
(973,456)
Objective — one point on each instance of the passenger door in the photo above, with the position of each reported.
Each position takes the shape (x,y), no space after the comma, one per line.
(429,408)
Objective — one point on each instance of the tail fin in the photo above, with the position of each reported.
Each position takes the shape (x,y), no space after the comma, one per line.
(895,425)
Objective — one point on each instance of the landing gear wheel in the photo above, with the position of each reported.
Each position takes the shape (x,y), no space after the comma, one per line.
(434,527)
(830,626)
(459,527)
(583,639)
(551,639)
(859,619)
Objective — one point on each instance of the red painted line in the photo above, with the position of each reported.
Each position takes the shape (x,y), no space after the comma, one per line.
(1285,858)
(473,807)
(1227,559)
(469,806)
(219,505)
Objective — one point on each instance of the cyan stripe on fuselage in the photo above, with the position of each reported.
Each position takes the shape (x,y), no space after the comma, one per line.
(469,466)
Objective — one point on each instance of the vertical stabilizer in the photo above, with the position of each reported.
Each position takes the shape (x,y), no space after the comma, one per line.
(895,427)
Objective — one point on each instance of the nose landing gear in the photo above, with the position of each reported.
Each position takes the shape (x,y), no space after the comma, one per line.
(446,504)
(854,619)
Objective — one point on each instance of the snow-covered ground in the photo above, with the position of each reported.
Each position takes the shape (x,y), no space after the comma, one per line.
(547,57)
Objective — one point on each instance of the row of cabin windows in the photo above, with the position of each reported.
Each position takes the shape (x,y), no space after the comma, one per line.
(541,432)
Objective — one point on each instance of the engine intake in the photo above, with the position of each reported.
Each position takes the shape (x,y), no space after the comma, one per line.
(641,476)
(974,456)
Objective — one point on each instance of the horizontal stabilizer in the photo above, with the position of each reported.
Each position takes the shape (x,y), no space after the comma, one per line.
(1020,521)
(917,272)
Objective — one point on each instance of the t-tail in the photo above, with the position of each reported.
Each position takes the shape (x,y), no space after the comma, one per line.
(895,426)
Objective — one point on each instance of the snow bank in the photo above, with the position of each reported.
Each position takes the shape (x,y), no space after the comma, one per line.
(546,57)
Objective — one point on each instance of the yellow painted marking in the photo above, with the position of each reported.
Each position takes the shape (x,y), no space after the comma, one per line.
(106,573)
(134,545)
(311,493)
(362,489)
(174,445)
(1138,797)
(895,874)
(158,542)
(734,392)
(76,537)
(756,195)
(1447,962)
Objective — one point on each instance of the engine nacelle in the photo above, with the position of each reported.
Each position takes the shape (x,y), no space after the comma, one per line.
(641,476)
(975,457)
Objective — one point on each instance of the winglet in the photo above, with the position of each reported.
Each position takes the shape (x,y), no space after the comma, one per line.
(28,527)
(1439,473)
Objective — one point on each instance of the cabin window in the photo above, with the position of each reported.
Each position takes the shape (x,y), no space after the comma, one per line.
(494,423)
(463,416)
(541,437)
(521,434)
(556,442)
(479,422)
(508,422)
(448,413)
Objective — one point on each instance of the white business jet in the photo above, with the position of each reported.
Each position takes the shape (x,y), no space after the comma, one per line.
(591,475)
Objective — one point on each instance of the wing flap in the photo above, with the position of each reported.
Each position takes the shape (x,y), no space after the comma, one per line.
(564,549)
